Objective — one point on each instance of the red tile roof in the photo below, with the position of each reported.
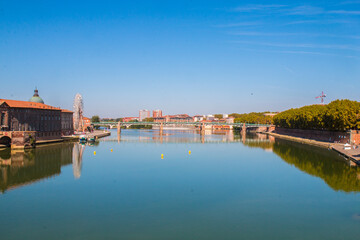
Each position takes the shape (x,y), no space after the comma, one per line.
(26,104)
(67,111)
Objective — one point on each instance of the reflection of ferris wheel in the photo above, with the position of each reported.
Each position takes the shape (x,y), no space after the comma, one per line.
(78,151)
(78,112)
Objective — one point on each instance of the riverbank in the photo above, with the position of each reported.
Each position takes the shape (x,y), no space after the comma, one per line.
(96,134)
(353,154)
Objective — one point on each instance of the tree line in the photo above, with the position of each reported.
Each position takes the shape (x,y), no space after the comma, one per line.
(339,115)
(253,117)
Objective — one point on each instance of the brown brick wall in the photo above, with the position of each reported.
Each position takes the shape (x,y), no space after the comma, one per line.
(355,137)
(324,136)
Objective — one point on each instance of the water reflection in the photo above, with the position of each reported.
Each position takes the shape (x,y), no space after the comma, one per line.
(18,168)
(173,136)
(78,151)
(318,162)
(22,167)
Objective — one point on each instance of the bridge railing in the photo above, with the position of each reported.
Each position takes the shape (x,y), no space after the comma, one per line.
(182,123)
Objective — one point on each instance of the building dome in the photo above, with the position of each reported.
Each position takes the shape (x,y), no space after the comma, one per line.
(36,97)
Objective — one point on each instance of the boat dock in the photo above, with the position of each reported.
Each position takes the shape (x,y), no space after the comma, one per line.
(96,134)
(352,154)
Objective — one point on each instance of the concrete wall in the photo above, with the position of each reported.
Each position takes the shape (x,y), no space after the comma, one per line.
(22,139)
(324,136)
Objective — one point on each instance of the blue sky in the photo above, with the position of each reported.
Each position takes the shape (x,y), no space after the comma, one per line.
(180,56)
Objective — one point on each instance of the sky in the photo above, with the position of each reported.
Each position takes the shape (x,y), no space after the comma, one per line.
(194,57)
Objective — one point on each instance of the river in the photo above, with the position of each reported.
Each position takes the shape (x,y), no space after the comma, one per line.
(180,185)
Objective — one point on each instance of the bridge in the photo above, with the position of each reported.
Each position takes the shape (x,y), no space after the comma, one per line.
(202,126)
(180,123)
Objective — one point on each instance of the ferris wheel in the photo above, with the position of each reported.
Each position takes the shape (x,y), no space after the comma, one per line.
(78,112)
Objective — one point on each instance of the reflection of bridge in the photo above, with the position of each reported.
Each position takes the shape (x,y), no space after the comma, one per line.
(179,140)
(180,123)
(202,126)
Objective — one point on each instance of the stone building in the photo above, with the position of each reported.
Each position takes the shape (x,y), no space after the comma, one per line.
(67,123)
(29,121)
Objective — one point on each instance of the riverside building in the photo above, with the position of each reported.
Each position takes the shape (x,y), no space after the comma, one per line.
(143,114)
(23,123)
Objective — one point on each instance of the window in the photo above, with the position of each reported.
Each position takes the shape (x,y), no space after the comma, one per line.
(2,119)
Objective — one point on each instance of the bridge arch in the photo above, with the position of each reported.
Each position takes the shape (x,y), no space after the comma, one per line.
(5,140)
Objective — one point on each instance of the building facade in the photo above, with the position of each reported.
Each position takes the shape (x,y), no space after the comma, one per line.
(86,123)
(29,121)
(143,114)
(67,122)
(45,120)
(157,113)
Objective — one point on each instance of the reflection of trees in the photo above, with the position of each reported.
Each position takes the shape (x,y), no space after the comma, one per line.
(24,167)
(312,160)
(320,163)
(259,144)
(257,140)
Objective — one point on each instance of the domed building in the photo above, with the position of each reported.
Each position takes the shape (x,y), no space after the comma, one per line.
(36,98)
(21,119)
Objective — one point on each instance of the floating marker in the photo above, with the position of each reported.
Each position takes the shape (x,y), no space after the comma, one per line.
(94,152)
(162,156)
(111,150)
(189,152)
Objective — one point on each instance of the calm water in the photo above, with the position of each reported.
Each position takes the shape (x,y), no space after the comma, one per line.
(229,187)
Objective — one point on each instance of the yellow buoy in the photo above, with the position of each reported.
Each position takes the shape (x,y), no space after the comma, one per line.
(94,152)
(162,156)
(189,152)
(111,150)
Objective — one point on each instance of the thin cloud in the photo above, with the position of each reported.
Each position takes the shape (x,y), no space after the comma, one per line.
(270,34)
(324,21)
(258,7)
(305,10)
(302,45)
(264,34)
(300,52)
(344,12)
(240,24)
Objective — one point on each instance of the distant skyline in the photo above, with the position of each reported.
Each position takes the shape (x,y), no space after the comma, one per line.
(194,57)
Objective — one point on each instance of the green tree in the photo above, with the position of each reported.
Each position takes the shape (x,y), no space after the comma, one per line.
(254,117)
(95,118)
(219,116)
(339,115)
(150,119)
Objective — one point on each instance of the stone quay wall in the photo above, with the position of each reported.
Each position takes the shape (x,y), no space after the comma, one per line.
(352,136)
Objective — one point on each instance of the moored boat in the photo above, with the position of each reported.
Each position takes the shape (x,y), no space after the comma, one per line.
(82,138)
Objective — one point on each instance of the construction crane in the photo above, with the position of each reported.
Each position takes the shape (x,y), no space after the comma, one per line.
(322,96)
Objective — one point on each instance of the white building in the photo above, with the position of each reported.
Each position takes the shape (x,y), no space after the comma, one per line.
(143,114)
(198,118)
(210,117)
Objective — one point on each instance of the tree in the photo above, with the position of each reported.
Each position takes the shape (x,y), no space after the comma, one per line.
(339,115)
(150,119)
(219,116)
(254,117)
(95,118)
